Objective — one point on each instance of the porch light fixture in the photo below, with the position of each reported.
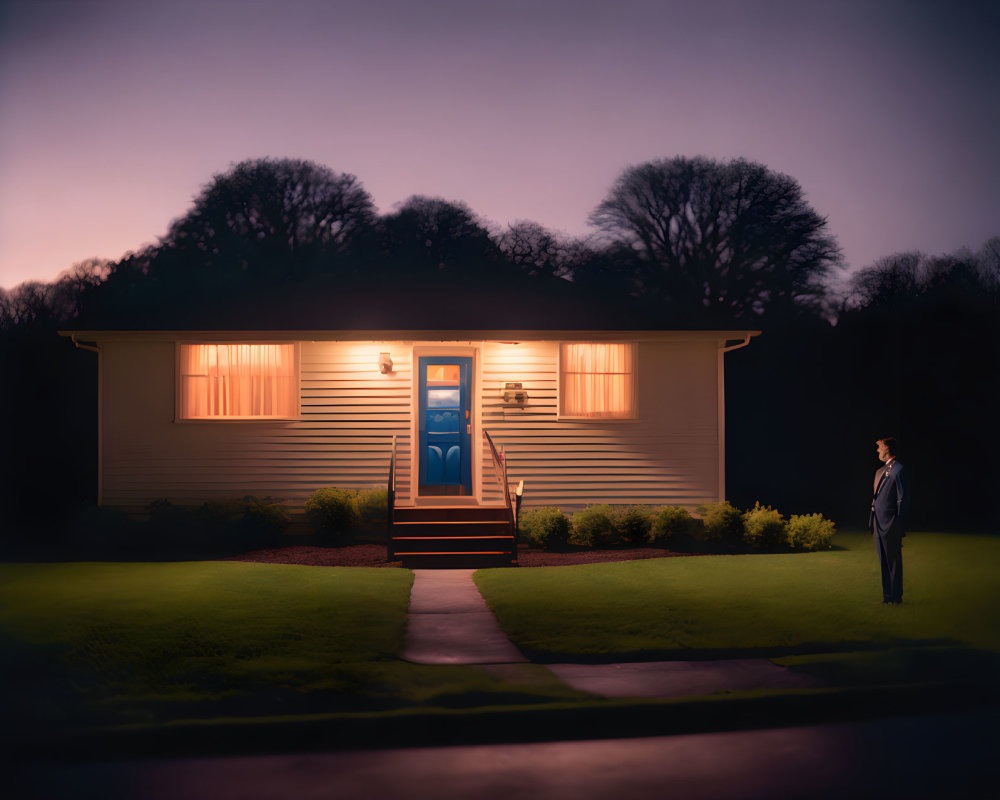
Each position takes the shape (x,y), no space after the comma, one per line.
(384,363)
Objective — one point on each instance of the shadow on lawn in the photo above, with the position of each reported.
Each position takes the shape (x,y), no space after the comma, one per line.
(913,665)
(719,653)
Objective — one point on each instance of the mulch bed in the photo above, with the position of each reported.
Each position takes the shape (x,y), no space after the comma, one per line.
(373,555)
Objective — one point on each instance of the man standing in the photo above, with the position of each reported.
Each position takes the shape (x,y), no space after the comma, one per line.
(887,521)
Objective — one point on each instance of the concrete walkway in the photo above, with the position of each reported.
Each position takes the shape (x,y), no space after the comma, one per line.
(450,623)
(679,678)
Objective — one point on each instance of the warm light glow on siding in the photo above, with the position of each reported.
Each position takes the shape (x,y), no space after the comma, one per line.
(597,380)
(238,381)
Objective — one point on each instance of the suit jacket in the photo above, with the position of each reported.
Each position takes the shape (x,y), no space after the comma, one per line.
(891,503)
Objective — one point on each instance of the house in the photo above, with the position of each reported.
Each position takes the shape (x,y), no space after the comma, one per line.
(580,416)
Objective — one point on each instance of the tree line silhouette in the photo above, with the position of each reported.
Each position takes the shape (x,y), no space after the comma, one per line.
(910,347)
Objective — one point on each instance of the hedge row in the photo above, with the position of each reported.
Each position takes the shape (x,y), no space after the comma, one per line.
(225,527)
(719,527)
(166,530)
(337,514)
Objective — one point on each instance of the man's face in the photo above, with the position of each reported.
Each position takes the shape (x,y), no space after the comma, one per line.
(883,451)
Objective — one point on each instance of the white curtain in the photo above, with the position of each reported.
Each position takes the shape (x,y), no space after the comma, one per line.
(238,380)
(598,380)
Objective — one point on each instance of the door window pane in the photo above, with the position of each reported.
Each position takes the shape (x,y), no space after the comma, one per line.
(442,398)
(442,374)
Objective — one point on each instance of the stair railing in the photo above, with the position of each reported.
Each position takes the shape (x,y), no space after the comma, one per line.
(390,501)
(500,470)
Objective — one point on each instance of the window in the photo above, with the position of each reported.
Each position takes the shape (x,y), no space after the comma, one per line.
(238,381)
(597,380)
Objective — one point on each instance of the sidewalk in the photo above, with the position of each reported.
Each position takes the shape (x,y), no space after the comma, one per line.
(927,756)
(450,623)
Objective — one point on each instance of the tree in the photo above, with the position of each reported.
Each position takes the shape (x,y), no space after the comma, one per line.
(962,278)
(536,250)
(886,281)
(269,218)
(431,234)
(988,260)
(26,305)
(733,237)
(76,285)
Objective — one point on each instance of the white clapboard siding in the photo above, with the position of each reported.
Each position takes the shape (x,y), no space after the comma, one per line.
(349,413)
(669,455)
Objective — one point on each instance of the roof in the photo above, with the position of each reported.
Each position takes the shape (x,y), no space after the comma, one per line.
(384,334)
(445,302)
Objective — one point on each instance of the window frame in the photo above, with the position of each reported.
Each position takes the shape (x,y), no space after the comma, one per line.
(633,417)
(297,376)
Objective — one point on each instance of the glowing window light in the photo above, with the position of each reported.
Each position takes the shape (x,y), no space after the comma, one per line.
(597,380)
(443,375)
(238,381)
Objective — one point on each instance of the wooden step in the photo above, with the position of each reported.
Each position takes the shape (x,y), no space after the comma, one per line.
(446,529)
(463,544)
(449,513)
(442,537)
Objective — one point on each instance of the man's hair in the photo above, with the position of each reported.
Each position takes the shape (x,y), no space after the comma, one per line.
(891,445)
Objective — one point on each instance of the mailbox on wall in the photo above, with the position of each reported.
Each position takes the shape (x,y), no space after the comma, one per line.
(514,395)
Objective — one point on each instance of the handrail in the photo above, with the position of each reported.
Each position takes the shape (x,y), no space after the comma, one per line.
(500,469)
(390,501)
(498,462)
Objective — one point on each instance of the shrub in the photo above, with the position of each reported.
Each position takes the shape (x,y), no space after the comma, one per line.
(593,527)
(763,528)
(544,527)
(261,519)
(163,515)
(102,531)
(219,514)
(632,523)
(671,525)
(808,532)
(333,512)
(373,506)
(171,529)
(721,522)
(236,525)
(215,528)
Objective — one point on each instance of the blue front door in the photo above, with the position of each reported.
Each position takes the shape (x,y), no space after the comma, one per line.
(445,439)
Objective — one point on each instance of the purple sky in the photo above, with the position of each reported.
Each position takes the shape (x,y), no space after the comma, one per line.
(114,114)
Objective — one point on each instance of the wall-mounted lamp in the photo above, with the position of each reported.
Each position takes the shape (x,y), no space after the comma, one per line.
(384,363)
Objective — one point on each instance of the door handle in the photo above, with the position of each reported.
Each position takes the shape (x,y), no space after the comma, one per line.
(468,429)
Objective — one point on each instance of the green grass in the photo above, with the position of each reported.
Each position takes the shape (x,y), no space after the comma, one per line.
(165,617)
(88,644)
(762,603)
(167,645)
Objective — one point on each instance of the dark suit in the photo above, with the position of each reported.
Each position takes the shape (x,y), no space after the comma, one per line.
(887,522)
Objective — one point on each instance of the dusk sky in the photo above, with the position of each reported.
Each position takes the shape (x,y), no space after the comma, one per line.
(113,115)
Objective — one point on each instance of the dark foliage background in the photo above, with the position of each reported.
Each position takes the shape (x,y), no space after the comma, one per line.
(908,346)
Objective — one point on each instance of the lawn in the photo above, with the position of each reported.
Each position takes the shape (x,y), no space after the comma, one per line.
(106,644)
(144,646)
(764,604)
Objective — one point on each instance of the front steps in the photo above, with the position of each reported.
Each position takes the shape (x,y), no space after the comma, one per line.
(439,537)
